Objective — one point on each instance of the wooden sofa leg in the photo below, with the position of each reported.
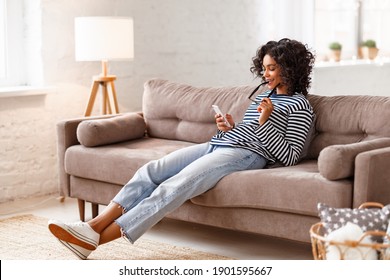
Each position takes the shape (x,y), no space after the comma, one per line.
(81,209)
(95,210)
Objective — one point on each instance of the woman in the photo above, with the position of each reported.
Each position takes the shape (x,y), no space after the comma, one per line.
(274,129)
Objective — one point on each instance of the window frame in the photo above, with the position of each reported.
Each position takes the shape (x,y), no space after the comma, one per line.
(3,36)
(13,44)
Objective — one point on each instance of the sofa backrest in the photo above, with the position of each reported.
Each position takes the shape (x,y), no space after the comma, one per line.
(183,112)
(348,119)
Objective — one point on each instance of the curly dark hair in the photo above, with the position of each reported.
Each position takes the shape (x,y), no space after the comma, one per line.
(296,62)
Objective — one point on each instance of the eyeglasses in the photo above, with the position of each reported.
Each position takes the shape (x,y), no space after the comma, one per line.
(257,88)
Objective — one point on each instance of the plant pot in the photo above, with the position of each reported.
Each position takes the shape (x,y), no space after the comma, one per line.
(369,53)
(335,55)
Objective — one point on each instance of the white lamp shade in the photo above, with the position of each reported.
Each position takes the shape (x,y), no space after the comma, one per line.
(104,38)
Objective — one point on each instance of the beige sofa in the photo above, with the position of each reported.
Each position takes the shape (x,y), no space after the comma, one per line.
(347,161)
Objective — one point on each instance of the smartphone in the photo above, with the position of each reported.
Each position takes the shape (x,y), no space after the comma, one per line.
(218,111)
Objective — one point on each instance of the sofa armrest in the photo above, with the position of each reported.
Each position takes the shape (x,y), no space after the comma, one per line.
(372,180)
(66,137)
(338,161)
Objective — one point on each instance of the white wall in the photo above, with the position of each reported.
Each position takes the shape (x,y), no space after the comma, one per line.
(352,78)
(198,42)
(205,43)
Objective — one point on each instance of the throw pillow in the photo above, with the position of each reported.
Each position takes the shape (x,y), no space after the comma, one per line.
(338,161)
(92,133)
(349,232)
(368,219)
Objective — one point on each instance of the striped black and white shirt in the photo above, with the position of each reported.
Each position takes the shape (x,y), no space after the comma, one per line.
(281,138)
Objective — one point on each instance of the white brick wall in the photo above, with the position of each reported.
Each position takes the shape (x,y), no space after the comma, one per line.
(26,165)
(205,43)
(28,160)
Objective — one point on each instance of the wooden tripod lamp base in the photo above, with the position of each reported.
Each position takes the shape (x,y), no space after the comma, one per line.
(108,105)
(103,39)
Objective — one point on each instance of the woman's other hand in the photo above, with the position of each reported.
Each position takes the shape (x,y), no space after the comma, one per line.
(265,108)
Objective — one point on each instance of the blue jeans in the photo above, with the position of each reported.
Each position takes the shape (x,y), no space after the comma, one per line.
(161,186)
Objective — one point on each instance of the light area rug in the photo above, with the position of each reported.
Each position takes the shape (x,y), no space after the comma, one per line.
(27,237)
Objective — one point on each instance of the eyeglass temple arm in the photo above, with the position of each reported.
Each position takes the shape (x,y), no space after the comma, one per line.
(257,88)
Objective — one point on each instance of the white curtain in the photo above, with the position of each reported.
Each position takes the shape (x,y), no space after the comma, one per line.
(292,19)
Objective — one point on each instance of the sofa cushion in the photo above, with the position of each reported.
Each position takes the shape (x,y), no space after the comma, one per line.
(117,163)
(338,161)
(294,189)
(91,133)
(348,119)
(183,112)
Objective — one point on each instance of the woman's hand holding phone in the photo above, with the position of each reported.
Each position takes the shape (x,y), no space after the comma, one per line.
(223,122)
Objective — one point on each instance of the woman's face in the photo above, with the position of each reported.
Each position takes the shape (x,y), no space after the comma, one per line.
(272,74)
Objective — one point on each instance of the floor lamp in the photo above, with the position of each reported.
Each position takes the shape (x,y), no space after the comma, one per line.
(104,39)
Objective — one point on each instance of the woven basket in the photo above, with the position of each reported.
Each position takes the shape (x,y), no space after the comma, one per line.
(320,243)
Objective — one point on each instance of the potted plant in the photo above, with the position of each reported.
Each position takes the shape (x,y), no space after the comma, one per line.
(369,49)
(335,51)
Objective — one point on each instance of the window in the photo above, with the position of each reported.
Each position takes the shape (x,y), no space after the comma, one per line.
(376,23)
(350,22)
(12,70)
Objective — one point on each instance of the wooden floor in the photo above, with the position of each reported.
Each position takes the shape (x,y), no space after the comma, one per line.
(237,245)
